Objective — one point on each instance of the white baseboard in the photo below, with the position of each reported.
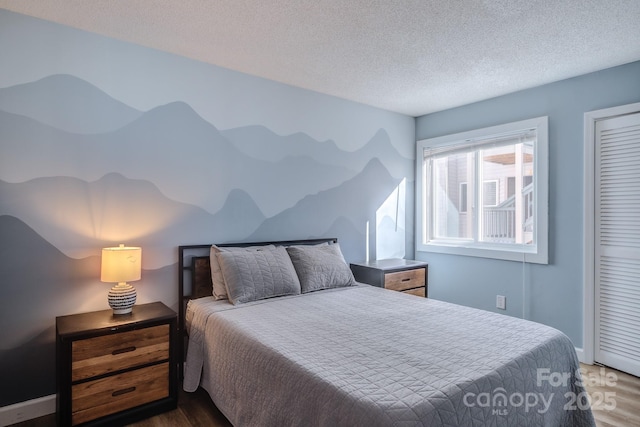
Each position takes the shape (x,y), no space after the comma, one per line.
(580,353)
(27,410)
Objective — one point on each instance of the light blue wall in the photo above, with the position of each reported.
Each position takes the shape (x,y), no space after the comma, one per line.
(550,294)
(104,142)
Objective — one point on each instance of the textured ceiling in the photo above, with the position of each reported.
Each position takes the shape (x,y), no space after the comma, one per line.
(409,56)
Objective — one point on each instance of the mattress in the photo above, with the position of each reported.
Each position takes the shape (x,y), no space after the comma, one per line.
(365,356)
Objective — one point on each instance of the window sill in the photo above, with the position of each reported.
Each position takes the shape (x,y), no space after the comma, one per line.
(529,255)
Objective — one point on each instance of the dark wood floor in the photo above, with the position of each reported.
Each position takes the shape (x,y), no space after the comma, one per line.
(196,409)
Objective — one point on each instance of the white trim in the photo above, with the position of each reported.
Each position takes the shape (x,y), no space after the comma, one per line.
(588,311)
(580,354)
(590,119)
(27,410)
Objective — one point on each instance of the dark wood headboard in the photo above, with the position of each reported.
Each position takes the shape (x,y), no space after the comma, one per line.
(194,276)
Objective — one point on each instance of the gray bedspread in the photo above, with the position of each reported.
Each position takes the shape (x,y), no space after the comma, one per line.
(365,356)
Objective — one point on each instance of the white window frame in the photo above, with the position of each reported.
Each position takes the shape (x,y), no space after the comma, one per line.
(536,253)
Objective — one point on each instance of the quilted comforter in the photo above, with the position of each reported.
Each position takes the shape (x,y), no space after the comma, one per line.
(365,356)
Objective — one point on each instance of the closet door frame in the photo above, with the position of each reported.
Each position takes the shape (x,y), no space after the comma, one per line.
(587,353)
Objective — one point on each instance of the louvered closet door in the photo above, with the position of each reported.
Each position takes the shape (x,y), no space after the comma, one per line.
(617,249)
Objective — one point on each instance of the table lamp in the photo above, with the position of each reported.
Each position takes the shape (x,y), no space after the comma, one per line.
(120,265)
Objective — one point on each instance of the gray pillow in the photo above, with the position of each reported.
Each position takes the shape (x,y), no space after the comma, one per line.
(320,267)
(219,290)
(256,275)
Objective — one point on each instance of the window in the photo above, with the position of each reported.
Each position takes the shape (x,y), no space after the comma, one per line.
(490,192)
(462,206)
(484,192)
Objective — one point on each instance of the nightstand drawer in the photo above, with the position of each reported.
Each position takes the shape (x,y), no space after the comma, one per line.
(109,353)
(95,399)
(421,292)
(403,280)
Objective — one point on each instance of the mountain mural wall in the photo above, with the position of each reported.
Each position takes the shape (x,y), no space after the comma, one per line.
(81,169)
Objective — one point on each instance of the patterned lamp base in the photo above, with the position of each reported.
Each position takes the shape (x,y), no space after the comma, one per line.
(122,298)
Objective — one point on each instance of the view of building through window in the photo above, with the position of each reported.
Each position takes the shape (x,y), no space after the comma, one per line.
(499,179)
(484,192)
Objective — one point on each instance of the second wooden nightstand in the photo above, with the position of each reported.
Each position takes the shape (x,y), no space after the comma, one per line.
(402,275)
(116,369)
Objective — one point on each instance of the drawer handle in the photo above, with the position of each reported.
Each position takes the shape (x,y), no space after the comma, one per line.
(406,279)
(123,391)
(124,350)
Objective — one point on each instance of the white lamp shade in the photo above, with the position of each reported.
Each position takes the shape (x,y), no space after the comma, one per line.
(121,264)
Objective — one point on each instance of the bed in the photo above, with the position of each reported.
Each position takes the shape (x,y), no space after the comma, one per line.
(334,352)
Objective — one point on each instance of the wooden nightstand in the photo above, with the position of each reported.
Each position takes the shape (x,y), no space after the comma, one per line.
(402,275)
(116,369)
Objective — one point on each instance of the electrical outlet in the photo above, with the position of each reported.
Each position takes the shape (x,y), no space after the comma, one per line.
(501,302)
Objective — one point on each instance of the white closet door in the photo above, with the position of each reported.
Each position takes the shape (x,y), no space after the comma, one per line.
(617,248)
